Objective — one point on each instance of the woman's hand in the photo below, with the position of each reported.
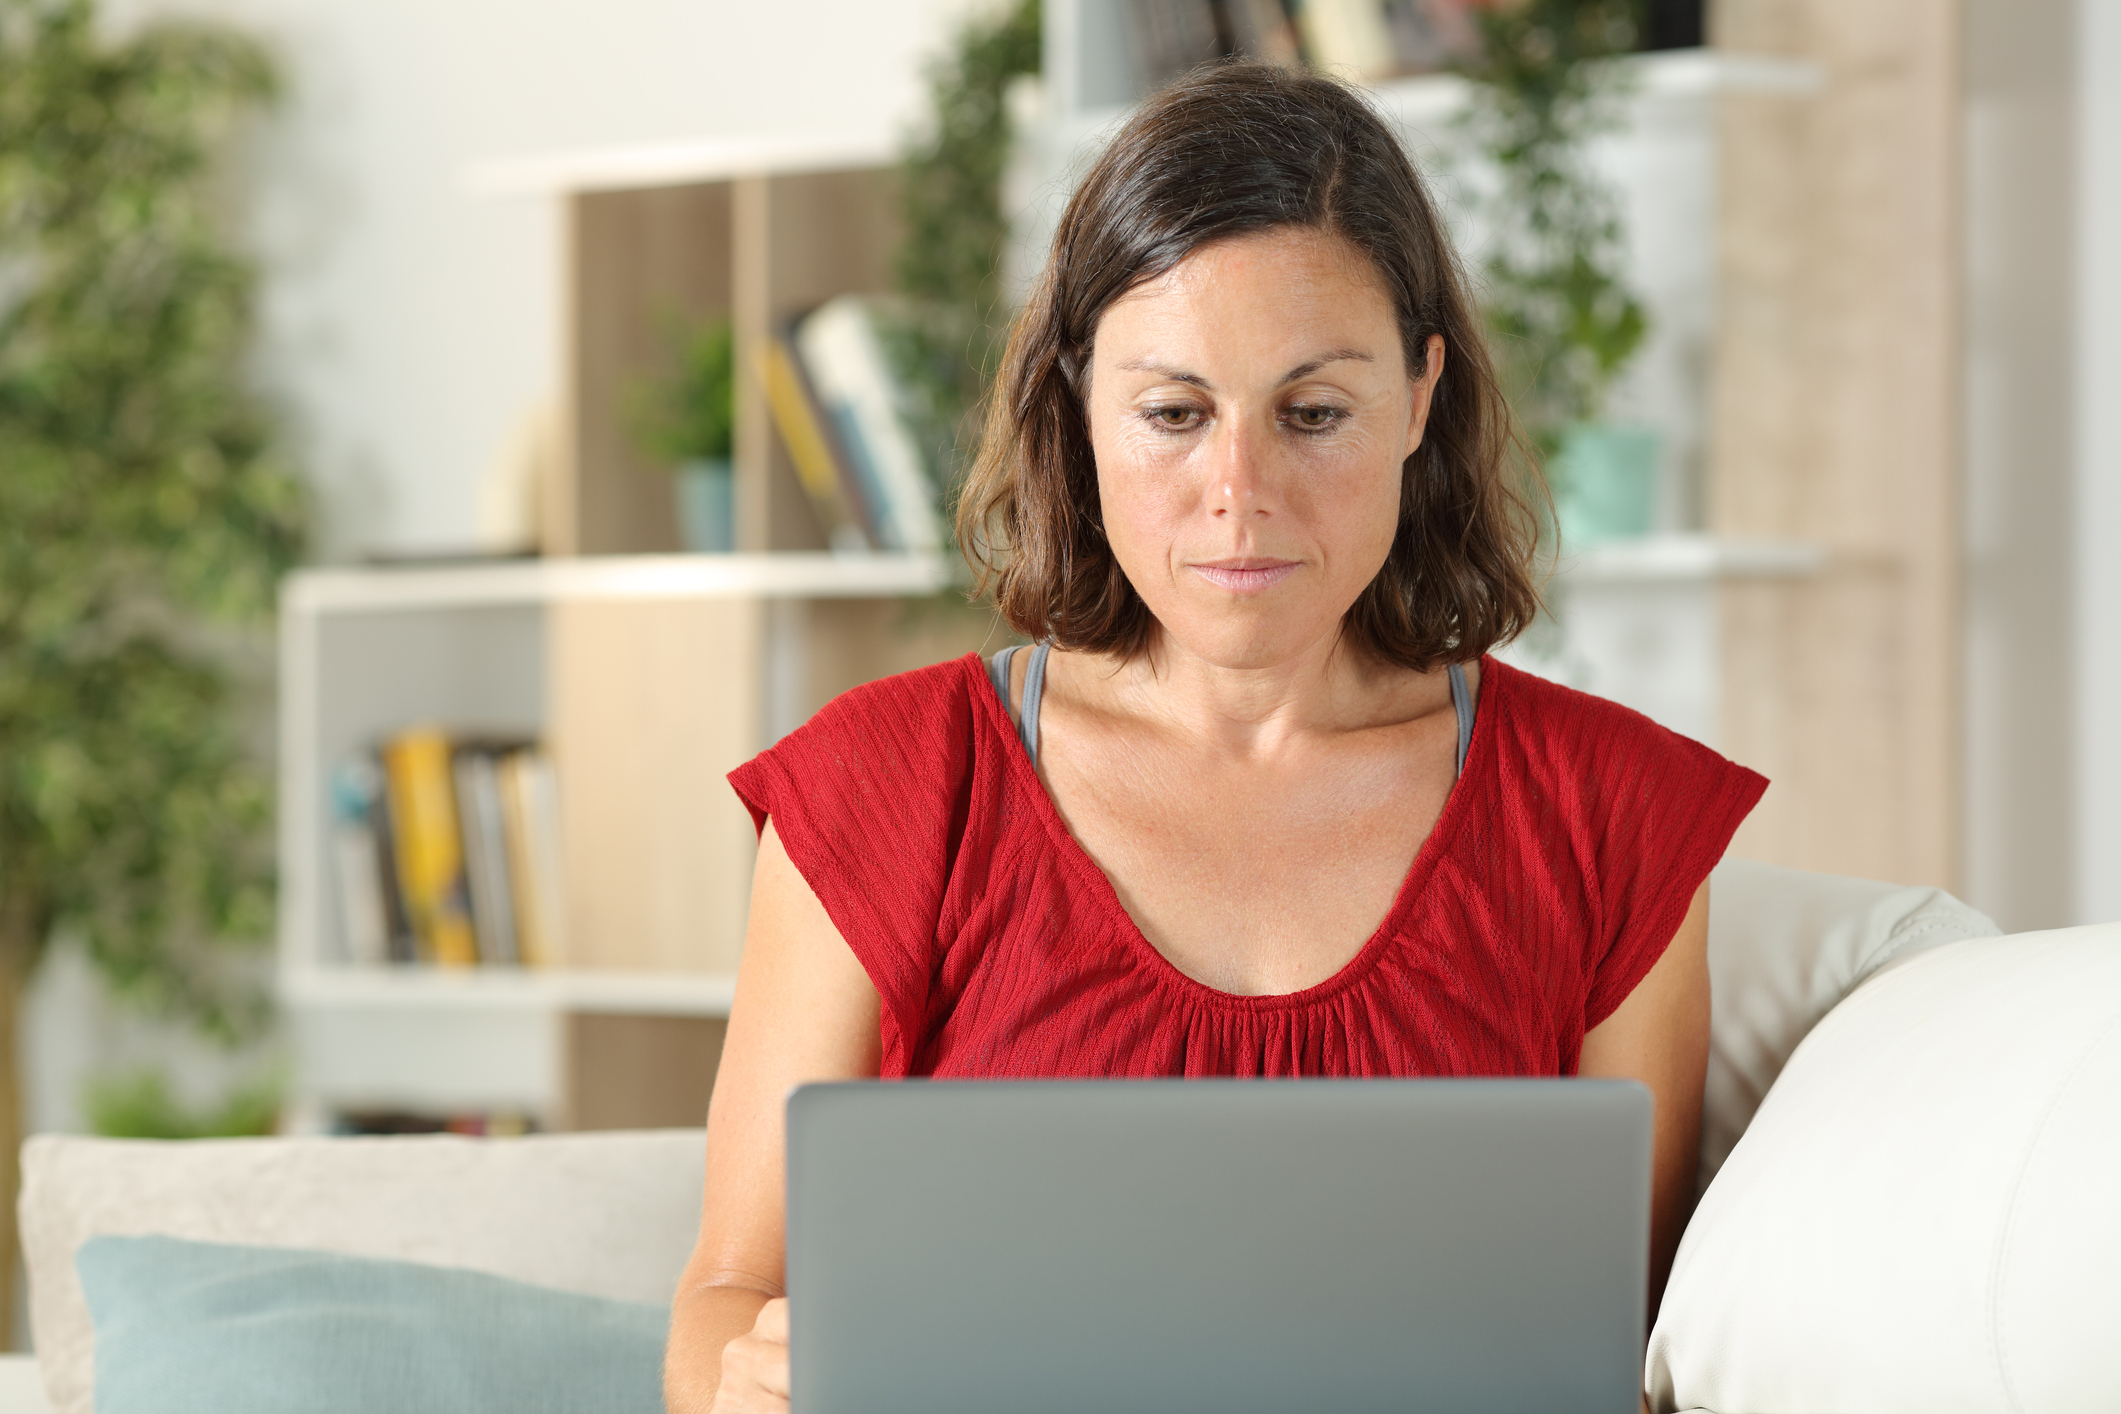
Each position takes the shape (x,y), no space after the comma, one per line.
(755,1366)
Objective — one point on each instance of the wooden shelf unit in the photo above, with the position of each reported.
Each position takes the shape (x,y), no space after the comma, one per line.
(660,239)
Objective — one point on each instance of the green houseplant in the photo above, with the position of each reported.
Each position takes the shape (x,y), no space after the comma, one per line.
(1565,322)
(947,337)
(687,421)
(145,519)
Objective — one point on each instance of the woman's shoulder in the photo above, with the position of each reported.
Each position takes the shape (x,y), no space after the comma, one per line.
(895,733)
(1565,727)
(871,799)
(1606,768)
(1639,814)
(924,703)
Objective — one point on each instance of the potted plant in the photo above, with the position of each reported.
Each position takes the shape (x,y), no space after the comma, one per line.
(946,338)
(1565,322)
(142,503)
(687,421)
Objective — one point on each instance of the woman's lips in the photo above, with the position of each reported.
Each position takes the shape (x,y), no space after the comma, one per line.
(1245,576)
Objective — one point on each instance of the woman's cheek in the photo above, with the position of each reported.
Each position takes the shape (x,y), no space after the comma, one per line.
(1146,485)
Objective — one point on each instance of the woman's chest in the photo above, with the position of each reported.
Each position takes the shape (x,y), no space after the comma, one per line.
(1046,978)
(1254,878)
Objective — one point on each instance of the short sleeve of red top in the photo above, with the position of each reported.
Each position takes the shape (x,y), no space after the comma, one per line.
(1563,863)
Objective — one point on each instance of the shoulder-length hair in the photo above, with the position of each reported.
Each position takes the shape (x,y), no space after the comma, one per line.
(1228,151)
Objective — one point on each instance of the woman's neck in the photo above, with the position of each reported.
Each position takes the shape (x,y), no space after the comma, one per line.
(1328,688)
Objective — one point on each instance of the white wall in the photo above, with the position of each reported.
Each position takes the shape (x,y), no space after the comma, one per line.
(2098,483)
(2043,473)
(408,324)
(2021,437)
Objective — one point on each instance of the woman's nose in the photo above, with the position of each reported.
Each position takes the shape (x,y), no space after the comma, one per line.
(1240,460)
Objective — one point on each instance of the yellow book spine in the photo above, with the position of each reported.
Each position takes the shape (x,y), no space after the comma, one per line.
(534,929)
(807,447)
(430,851)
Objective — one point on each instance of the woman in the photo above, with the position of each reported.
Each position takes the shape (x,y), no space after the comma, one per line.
(1259,804)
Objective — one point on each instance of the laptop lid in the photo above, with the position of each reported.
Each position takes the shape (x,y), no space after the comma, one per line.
(1241,1247)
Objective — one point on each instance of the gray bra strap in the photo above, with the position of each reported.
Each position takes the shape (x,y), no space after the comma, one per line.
(1462,703)
(998,674)
(1034,688)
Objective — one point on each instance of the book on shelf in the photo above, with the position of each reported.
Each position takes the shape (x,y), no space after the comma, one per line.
(843,507)
(429,845)
(1380,39)
(493,922)
(1172,36)
(371,913)
(447,851)
(530,810)
(840,349)
(476,1124)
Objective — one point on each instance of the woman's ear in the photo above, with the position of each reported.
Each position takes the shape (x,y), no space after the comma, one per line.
(1424,388)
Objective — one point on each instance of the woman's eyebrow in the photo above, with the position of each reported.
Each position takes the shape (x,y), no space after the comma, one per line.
(1302,370)
(1164,370)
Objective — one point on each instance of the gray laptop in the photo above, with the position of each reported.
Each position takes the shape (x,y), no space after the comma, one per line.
(1241,1247)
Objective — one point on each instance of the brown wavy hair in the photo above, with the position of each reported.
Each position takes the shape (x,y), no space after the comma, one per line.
(1227,151)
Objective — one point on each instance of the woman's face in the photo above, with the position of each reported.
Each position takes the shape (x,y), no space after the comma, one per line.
(1249,411)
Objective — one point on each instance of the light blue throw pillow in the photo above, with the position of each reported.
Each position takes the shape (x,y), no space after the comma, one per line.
(208,1328)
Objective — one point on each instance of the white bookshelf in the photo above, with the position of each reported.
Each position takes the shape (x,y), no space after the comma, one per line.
(367,652)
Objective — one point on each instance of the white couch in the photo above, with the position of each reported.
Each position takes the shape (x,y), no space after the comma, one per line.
(615,1214)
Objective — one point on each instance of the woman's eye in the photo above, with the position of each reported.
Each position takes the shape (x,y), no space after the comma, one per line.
(1314,419)
(1174,419)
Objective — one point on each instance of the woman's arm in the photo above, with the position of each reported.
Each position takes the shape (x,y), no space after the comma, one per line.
(1660,1036)
(805,1010)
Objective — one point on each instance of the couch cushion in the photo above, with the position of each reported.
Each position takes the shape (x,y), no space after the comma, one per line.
(1922,1216)
(611,1215)
(209,1328)
(1784,947)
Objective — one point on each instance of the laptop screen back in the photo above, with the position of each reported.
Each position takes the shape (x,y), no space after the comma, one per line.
(1226,1246)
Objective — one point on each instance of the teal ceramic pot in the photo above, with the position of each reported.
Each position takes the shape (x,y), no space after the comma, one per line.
(1606,483)
(706,490)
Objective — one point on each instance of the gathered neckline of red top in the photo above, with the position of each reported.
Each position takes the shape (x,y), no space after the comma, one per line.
(1076,860)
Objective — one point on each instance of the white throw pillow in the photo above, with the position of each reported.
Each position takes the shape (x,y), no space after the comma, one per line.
(1784,947)
(1925,1215)
(606,1214)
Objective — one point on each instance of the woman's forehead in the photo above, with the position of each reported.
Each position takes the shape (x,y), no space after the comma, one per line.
(1277,292)
(1286,256)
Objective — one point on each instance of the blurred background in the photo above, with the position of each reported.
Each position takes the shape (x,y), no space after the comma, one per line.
(438,440)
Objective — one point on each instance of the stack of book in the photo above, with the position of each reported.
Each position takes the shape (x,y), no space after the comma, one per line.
(477,1124)
(1367,39)
(448,851)
(841,409)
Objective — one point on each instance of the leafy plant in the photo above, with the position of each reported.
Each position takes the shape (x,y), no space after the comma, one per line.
(947,332)
(691,414)
(1557,300)
(142,1104)
(141,502)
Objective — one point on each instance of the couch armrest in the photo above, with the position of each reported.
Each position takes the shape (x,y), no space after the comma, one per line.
(1785,946)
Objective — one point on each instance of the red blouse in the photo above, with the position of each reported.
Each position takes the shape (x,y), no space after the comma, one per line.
(1562,865)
